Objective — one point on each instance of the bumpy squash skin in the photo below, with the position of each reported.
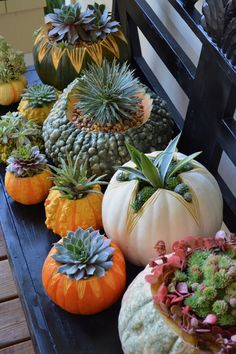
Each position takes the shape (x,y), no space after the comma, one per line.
(38,115)
(165,216)
(65,72)
(102,150)
(142,329)
(63,215)
(86,296)
(11,92)
(28,190)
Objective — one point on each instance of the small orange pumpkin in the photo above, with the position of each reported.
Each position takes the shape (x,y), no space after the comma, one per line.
(83,296)
(28,190)
(11,92)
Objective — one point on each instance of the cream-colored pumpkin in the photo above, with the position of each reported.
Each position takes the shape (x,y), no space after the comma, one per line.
(142,329)
(165,216)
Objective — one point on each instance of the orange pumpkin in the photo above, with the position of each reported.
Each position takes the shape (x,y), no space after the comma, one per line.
(85,296)
(11,92)
(28,190)
(64,214)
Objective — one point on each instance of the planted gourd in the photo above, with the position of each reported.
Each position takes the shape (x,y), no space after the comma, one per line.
(102,111)
(16,131)
(27,177)
(84,273)
(12,69)
(37,101)
(75,200)
(71,39)
(162,196)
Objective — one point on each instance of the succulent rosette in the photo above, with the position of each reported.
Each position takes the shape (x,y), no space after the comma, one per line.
(194,288)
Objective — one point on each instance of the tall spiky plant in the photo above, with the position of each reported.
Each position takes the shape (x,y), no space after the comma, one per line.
(39,96)
(159,172)
(72,181)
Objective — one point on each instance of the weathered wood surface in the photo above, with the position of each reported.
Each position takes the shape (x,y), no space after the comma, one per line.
(3,252)
(13,327)
(7,286)
(20,348)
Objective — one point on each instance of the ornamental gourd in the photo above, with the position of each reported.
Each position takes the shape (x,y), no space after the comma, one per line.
(160,197)
(71,39)
(12,69)
(84,273)
(75,201)
(37,101)
(100,112)
(27,178)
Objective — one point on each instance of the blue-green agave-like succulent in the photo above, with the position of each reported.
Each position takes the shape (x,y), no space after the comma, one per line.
(84,253)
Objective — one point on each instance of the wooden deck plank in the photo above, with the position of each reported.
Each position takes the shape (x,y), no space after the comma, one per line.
(3,252)
(20,348)
(13,327)
(7,286)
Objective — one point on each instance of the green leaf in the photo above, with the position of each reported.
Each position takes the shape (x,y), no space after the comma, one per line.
(151,172)
(183,162)
(135,155)
(167,157)
(134,172)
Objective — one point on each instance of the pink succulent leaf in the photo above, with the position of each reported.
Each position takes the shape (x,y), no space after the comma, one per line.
(194,322)
(186,310)
(210,319)
(182,288)
(160,247)
(175,261)
(176,299)
(150,278)
(233,338)
(209,243)
(220,235)
(161,294)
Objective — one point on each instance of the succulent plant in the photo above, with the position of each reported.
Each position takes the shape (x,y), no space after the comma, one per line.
(104,101)
(197,288)
(16,131)
(26,161)
(72,181)
(83,254)
(12,64)
(39,95)
(160,172)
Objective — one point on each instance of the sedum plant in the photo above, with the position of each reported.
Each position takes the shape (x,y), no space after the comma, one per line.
(16,131)
(71,180)
(154,173)
(12,64)
(83,254)
(26,161)
(71,25)
(39,96)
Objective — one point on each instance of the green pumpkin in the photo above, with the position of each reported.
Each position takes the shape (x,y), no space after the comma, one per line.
(58,64)
(102,150)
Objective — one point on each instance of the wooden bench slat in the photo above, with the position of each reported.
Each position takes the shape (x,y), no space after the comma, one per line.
(13,327)
(7,286)
(20,348)
(3,252)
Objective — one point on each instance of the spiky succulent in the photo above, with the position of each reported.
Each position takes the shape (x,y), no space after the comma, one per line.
(26,161)
(16,131)
(12,64)
(72,181)
(102,24)
(83,254)
(107,94)
(155,173)
(39,95)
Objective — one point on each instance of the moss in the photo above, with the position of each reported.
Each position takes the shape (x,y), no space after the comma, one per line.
(180,276)
(142,196)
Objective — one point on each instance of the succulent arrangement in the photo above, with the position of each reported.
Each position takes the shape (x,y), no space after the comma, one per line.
(75,200)
(16,131)
(37,101)
(154,173)
(195,288)
(99,113)
(84,273)
(78,37)
(26,161)
(83,254)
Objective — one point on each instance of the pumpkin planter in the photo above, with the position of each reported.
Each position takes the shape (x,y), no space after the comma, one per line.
(75,201)
(26,180)
(59,59)
(189,202)
(84,273)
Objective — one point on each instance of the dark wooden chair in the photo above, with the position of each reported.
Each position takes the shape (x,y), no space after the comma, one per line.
(209,126)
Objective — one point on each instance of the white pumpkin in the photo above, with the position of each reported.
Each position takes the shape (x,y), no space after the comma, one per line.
(142,329)
(165,216)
